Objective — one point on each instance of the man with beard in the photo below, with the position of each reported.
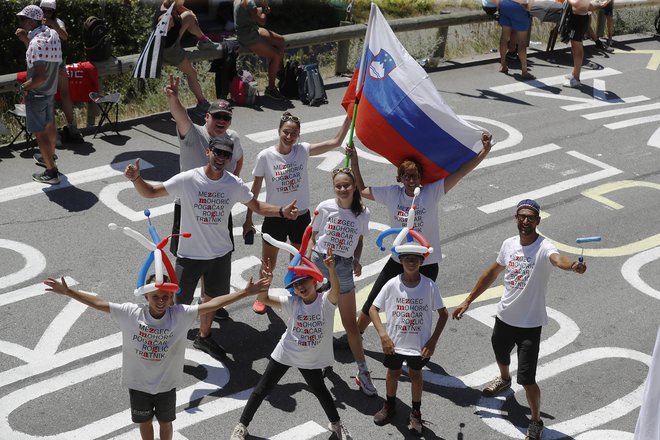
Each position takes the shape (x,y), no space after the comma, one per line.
(207,195)
(193,142)
(526,260)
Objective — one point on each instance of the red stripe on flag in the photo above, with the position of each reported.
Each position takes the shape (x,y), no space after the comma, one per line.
(374,131)
(349,97)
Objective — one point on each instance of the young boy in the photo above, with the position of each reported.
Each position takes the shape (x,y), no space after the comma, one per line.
(154,344)
(408,301)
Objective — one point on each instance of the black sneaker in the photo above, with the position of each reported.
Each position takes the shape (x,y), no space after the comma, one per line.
(273,93)
(221,314)
(599,44)
(512,56)
(208,345)
(71,134)
(385,414)
(47,177)
(341,343)
(496,386)
(39,159)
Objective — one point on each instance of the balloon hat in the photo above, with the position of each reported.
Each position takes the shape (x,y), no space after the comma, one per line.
(408,234)
(300,265)
(156,256)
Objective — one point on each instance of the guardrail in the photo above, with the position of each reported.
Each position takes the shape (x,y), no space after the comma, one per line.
(442,22)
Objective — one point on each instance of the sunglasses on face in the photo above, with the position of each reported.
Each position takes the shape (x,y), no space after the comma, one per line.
(221,116)
(291,118)
(530,218)
(220,153)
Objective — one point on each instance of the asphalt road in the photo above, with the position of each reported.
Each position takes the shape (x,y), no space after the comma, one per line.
(589,156)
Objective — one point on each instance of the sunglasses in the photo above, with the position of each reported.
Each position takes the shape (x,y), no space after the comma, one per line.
(221,116)
(291,118)
(220,153)
(343,170)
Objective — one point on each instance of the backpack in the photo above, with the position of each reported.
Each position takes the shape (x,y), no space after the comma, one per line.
(244,88)
(96,39)
(225,68)
(289,82)
(564,20)
(310,85)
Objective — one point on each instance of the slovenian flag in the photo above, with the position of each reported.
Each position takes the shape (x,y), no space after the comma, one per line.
(150,62)
(400,113)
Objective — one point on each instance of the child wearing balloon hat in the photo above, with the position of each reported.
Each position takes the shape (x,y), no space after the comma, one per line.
(154,337)
(306,343)
(409,301)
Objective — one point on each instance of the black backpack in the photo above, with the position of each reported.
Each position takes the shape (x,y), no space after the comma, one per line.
(97,42)
(310,85)
(225,67)
(289,81)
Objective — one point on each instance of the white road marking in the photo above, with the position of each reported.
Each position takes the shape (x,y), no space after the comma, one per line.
(551,81)
(586,103)
(109,196)
(599,90)
(35,263)
(514,135)
(621,111)
(606,171)
(301,432)
(512,157)
(631,268)
(262,137)
(654,140)
(72,179)
(633,122)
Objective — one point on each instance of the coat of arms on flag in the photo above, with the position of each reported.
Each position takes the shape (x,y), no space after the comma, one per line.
(381,65)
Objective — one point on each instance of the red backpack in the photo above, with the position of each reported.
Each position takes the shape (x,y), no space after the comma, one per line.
(244,88)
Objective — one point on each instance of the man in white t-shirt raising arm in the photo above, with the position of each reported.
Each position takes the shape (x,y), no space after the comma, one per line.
(207,196)
(526,260)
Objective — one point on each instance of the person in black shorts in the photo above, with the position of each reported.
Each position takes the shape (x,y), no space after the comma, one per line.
(526,260)
(578,24)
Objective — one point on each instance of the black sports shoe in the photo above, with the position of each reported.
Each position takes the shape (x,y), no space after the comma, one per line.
(208,345)
(46,177)
(39,159)
(220,315)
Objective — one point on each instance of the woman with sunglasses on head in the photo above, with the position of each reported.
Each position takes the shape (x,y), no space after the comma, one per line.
(339,226)
(398,198)
(283,169)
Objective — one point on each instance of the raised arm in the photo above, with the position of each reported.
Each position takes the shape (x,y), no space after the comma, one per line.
(224,300)
(146,189)
(325,146)
(267,210)
(483,283)
(464,170)
(178,111)
(365,191)
(89,300)
(61,30)
(263,296)
(566,263)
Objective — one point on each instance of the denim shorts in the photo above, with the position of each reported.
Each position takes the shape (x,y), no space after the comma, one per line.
(39,112)
(344,270)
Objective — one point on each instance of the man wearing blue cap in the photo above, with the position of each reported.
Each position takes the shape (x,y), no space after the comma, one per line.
(526,260)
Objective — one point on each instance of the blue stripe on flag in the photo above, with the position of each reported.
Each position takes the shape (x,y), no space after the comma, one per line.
(421,132)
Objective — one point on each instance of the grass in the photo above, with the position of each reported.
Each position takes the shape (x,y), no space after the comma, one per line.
(462,41)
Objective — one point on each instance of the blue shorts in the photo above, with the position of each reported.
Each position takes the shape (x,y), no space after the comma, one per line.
(513,15)
(39,112)
(344,270)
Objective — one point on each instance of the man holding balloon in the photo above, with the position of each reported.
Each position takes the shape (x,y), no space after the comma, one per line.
(526,260)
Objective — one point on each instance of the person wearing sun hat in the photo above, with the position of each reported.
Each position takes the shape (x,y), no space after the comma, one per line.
(43,58)
(526,260)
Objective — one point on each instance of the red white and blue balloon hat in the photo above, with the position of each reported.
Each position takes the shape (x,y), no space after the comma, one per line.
(156,256)
(300,266)
(408,234)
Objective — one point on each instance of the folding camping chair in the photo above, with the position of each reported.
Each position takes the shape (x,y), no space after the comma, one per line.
(106,103)
(18,113)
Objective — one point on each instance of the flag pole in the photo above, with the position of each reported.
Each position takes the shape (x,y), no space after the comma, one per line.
(351,130)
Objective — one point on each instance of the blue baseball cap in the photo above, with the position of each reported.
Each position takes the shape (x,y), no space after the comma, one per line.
(528,204)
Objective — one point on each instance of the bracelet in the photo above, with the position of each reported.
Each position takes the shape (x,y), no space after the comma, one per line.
(281,212)
(136,178)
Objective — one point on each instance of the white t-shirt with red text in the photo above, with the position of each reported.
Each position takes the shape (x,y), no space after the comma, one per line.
(409,313)
(338,228)
(526,275)
(153,350)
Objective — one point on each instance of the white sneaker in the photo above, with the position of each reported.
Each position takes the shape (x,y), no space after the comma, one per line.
(340,431)
(572,82)
(239,432)
(363,379)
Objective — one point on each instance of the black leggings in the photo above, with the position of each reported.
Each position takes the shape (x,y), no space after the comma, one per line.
(273,374)
(392,269)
